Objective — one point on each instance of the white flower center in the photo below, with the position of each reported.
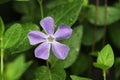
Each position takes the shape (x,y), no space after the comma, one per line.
(50,38)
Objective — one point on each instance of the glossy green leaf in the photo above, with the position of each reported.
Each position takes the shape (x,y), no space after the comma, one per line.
(66,14)
(12,35)
(88,33)
(112,15)
(73,77)
(1,27)
(74,43)
(53,3)
(15,69)
(23,43)
(105,58)
(114,34)
(45,73)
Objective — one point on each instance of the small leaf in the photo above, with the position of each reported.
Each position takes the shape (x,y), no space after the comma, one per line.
(15,69)
(74,43)
(67,14)
(112,15)
(12,35)
(23,43)
(73,77)
(105,58)
(1,27)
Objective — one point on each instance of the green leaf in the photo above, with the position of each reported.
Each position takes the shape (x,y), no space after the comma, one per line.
(81,65)
(66,14)
(12,35)
(23,7)
(23,43)
(74,43)
(114,34)
(105,58)
(1,27)
(15,69)
(112,15)
(88,34)
(28,9)
(44,73)
(73,77)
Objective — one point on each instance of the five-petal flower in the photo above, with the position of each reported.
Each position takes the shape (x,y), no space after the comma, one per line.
(50,39)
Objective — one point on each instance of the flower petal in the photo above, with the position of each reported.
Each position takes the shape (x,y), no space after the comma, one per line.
(36,37)
(48,25)
(60,50)
(42,51)
(63,32)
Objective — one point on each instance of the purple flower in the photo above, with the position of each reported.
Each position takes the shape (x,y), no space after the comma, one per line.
(50,39)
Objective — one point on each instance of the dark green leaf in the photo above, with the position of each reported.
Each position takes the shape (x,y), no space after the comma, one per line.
(105,58)
(81,65)
(114,33)
(45,73)
(73,77)
(15,69)
(66,14)
(12,35)
(112,15)
(74,43)
(28,9)
(23,43)
(88,34)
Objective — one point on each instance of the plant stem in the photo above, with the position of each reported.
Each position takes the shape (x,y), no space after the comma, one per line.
(104,74)
(49,71)
(2,58)
(41,8)
(105,21)
(95,26)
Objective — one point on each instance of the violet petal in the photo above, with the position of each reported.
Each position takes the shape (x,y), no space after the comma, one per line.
(60,50)
(48,25)
(42,51)
(36,37)
(63,32)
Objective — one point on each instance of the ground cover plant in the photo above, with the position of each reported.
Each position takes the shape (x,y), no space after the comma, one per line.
(60,40)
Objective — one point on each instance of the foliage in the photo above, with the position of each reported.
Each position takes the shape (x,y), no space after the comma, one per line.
(92,30)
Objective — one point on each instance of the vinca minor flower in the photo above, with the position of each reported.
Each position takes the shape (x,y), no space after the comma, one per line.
(50,39)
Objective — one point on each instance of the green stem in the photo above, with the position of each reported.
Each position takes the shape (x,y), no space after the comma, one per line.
(41,8)
(2,57)
(104,74)
(49,71)
(95,26)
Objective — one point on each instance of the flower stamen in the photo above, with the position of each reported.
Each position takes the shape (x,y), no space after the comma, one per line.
(50,39)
